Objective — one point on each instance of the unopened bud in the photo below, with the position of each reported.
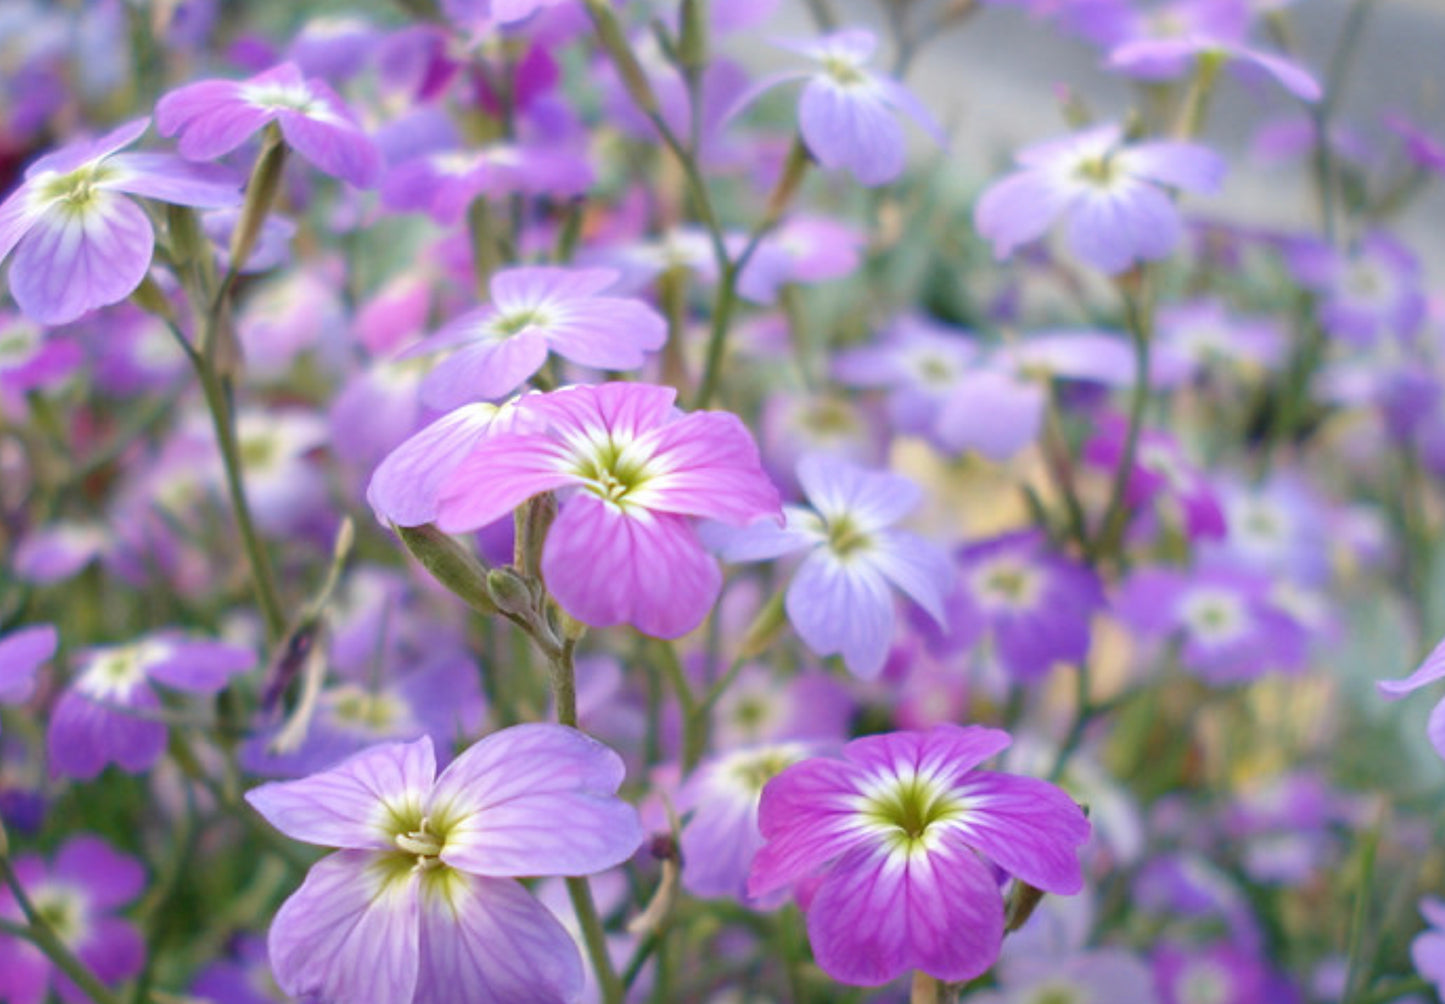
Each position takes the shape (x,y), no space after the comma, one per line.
(509,591)
(660,907)
(610,34)
(692,42)
(450,564)
(261,189)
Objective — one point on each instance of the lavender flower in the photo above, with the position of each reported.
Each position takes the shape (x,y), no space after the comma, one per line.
(78,244)
(1113,193)
(840,599)
(1369,291)
(894,843)
(22,653)
(107,714)
(214,117)
(420,904)
(846,114)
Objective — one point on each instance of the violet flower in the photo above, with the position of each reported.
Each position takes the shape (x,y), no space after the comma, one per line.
(1432,669)
(420,904)
(534,310)
(622,549)
(1371,290)
(78,894)
(78,243)
(894,843)
(1427,951)
(847,112)
(107,714)
(214,117)
(1156,59)
(1114,194)
(841,598)
(1034,606)
(1161,474)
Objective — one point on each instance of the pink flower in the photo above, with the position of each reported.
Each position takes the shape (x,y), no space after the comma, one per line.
(622,550)
(893,845)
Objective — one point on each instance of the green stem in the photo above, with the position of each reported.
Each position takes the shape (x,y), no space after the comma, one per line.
(1404,987)
(38,932)
(1358,975)
(564,697)
(1139,316)
(926,989)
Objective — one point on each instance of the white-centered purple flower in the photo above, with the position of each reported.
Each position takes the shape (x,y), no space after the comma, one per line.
(109,713)
(214,117)
(721,837)
(443,184)
(841,597)
(78,895)
(1161,474)
(1229,627)
(1114,194)
(848,114)
(1156,59)
(897,844)
(1032,605)
(533,311)
(623,549)
(78,243)
(420,904)
(1364,293)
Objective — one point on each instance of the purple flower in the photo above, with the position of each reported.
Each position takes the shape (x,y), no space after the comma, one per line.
(533,311)
(1161,473)
(420,904)
(806,249)
(1166,58)
(22,653)
(1432,669)
(722,836)
(77,894)
(1231,628)
(1113,193)
(1368,291)
(78,243)
(214,117)
(840,600)
(1204,332)
(1099,975)
(1035,606)
(896,840)
(108,713)
(622,550)
(444,183)
(847,112)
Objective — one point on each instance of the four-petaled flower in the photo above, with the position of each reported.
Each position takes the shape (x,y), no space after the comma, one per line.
(892,845)
(421,904)
(78,243)
(840,600)
(622,549)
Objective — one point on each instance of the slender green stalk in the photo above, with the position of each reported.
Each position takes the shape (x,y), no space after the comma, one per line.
(1139,316)
(1358,975)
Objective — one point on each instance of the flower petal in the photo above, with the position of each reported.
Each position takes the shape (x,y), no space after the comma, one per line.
(608,566)
(74,261)
(881,912)
(110,879)
(843,607)
(350,933)
(487,941)
(1432,669)
(1027,827)
(484,370)
(406,486)
(333,144)
(171,179)
(915,566)
(22,652)
(870,500)
(499,475)
(808,814)
(499,804)
(355,804)
(85,735)
(709,466)
(851,127)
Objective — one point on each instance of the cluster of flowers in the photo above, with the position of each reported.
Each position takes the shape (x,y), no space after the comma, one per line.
(464,442)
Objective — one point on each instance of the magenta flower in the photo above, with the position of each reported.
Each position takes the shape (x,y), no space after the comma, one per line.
(898,843)
(78,894)
(840,600)
(214,117)
(1161,473)
(22,653)
(622,550)
(533,311)
(78,243)
(107,714)
(847,112)
(1113,193)
(420,904)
